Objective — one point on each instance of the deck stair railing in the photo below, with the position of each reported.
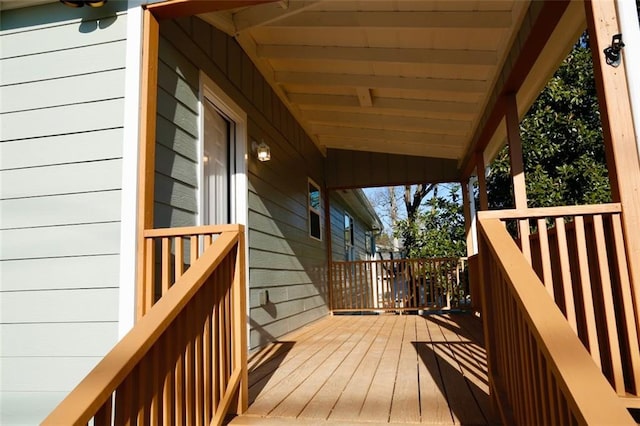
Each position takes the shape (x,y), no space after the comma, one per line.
(560,337)
(184,361)
(399,284)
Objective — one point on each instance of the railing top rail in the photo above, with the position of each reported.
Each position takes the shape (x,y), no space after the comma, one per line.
(588,392)
(542,212)
(191,230)
(423,259)
(96,387)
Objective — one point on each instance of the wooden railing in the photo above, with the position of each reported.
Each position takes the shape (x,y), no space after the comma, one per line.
(398,285)
(184,362)
(540,372)
(168,253)
(578,253)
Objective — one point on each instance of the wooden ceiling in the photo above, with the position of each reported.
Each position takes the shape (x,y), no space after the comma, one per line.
(402,76)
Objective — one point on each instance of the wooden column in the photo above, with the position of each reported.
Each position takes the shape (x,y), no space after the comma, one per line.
(619,136)
(327,233)
(482,181)
(147,142)
(517,170)
(469,213)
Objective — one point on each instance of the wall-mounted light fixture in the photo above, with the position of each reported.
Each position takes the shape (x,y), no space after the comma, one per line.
(262,150)
(80,3)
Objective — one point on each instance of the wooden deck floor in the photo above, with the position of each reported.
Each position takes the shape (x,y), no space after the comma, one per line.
(399,369)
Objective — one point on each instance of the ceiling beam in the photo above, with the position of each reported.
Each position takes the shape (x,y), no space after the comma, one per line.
(389,135)
(390,147)
(400,19)
(384,103)
(179,8)
(380,121)
(380,54)
(269,13)
(364,97)
(382,82)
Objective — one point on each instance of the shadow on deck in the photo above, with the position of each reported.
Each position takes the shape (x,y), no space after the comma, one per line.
(386,369)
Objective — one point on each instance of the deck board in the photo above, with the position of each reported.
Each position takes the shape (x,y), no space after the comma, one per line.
(370,369)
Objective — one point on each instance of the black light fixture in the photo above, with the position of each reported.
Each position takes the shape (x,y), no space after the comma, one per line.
(612,53)
(80,3)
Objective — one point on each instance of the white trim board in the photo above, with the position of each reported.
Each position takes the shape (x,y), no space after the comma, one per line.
(209,90)
(130,151)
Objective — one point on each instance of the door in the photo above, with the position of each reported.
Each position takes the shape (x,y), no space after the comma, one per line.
(219,131)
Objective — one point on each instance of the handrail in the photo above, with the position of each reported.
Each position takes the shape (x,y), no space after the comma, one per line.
(579,254)
(539,370)
(192,341)
(537,212)
(170,251)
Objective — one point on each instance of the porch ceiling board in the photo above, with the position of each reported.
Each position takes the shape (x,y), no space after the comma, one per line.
(404,77)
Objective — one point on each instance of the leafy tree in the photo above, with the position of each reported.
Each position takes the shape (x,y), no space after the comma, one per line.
(562,142)
(436,230)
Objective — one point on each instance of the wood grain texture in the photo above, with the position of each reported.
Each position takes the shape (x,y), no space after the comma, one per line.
(356,369)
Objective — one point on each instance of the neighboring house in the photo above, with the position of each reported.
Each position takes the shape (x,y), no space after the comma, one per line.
(354,225)
(68,173)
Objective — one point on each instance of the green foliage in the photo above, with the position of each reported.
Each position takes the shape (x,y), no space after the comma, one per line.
(562,142)
(437,229)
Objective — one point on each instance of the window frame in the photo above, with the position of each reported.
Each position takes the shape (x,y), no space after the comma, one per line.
(349,252)
(312,210)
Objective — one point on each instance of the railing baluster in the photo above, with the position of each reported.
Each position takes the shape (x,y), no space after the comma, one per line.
(149,274)
(179,258)
(607,296)
(168,349)
(547,278)
(103,416)
(626,296)
(570,309)
(591,329)
(207,352)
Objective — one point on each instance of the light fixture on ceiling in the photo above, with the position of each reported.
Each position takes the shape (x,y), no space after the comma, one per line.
(262,150)
(80,3)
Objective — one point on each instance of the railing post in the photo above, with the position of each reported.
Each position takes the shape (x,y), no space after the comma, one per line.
(240,306)
(146,165)
(618,131)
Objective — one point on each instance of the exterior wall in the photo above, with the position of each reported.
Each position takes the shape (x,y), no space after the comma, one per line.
(338,210)
(177,136)
(283,259)
(62,93)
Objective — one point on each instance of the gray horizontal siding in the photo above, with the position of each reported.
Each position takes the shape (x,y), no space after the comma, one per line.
(70,178)
(77,89)
(63,63)
(282,258)
(36,374)
(57,210)
(63,149)
(54,306)
(79,272)
(177,129)
(91,239)
(62,340)
(61,120)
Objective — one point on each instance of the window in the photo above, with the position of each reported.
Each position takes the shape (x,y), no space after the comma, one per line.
(315,228)
(348,237)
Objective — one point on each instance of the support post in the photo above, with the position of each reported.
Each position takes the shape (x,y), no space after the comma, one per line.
(619,136)
(327,233)
(146,165)
(481,170)
(468,205)
(517,170)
